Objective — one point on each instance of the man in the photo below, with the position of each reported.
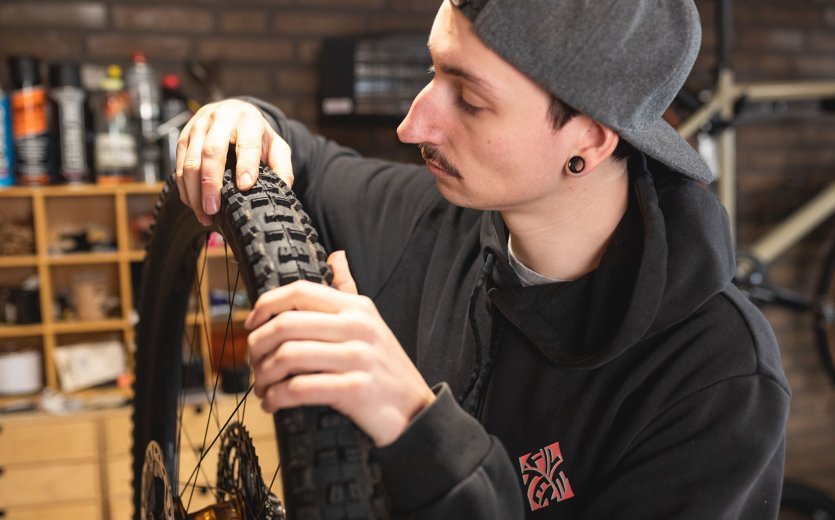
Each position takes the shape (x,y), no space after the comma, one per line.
(553,335)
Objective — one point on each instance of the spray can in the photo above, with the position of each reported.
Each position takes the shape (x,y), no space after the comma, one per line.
(141,83)
(30,129)
(69,124)
(115,143)
(6,147)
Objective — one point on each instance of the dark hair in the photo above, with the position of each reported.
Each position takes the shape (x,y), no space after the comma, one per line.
(561,113)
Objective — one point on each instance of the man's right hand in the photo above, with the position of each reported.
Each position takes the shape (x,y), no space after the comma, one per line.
(203,146)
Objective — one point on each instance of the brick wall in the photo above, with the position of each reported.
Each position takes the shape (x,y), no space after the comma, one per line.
(268,48)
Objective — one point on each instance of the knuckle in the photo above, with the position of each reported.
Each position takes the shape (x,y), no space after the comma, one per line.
(249,146)
(209,181)
(366,303)
(213,151)
(294,389)
(359,355)
(191,164)
(358,322)
(358,385)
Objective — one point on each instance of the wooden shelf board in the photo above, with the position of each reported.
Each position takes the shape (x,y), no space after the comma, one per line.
(136,255)
(18,261)
(84,258)
(20,331)
(89,326)
(80,190)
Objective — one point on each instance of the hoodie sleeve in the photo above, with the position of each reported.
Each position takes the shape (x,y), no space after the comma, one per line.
(445,465)
(368,207)
(717,453)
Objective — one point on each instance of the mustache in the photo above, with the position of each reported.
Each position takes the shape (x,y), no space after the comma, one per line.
(431,153)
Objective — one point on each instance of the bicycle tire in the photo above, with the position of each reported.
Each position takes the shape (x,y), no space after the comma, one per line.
(806,500)
(825,312)
(324,457)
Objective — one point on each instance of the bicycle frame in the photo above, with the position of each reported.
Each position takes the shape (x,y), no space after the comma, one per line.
(725,96)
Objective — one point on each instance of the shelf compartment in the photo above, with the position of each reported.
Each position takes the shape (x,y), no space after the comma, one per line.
(88,220)
(140,214)
(87,294)
(17,235)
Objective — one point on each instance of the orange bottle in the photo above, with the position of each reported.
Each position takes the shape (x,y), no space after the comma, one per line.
(30,129)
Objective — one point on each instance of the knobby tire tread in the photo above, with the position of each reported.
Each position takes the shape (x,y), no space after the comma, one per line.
(324,457)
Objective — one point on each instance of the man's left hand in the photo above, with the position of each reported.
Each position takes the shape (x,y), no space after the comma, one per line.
(316,345)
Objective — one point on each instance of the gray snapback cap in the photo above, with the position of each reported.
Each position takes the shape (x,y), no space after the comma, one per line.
(620,62)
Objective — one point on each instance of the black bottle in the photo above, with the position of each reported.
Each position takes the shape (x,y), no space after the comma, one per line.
(70,121)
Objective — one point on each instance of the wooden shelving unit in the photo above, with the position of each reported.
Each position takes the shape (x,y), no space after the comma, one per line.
(51,210)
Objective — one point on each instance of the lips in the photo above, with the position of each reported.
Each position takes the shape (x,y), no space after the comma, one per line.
(435,166)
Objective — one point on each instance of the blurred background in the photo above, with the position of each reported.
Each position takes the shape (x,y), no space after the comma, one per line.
(275,50)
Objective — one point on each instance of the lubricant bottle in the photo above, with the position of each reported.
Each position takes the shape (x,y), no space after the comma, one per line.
(69,122)
(115,143)
(141,83)
(6,148)
(30,129)
(173,104)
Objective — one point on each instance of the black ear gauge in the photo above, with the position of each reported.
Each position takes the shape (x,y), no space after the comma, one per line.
(576,164)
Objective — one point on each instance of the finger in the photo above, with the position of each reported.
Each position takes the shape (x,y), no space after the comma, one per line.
(342,278)
(191,168)
(314,389)
(213,161)
(306,357)
(302,295)
(297,325)
(248,149)
(278,156)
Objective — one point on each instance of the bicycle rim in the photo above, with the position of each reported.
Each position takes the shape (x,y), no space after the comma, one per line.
(325,467)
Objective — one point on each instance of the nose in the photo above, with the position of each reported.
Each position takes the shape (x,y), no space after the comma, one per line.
(421,124)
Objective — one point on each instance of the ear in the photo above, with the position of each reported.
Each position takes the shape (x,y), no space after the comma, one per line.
(595,142)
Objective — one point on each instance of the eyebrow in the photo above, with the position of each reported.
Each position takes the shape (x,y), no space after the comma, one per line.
(458,72)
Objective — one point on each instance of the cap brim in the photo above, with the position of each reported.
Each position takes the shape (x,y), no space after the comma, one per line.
(664,144)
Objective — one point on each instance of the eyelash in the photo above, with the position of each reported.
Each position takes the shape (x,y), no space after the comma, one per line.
(466,107)
(459,99)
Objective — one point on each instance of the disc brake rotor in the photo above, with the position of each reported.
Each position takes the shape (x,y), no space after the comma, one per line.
(157,499)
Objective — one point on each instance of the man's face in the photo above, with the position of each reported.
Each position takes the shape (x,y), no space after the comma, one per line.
(483,126)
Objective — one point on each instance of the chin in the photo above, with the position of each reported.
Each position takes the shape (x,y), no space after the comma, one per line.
(454,197)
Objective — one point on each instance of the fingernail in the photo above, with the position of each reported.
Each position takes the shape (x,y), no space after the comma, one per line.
(211,204)
(246,180)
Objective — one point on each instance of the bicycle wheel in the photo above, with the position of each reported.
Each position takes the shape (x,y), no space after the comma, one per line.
(324,458)
(825,312)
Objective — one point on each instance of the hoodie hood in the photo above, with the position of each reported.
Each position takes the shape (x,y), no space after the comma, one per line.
(646,282)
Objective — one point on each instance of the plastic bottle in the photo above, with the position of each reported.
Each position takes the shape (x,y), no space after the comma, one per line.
(115,143)
(30,129)
(6,147)
(69,124)
(141,82)
(173,104)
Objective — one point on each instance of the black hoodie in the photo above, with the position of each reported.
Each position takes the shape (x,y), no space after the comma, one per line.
(649,388)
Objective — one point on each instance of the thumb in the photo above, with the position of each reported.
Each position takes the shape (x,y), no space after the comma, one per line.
(342,278)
